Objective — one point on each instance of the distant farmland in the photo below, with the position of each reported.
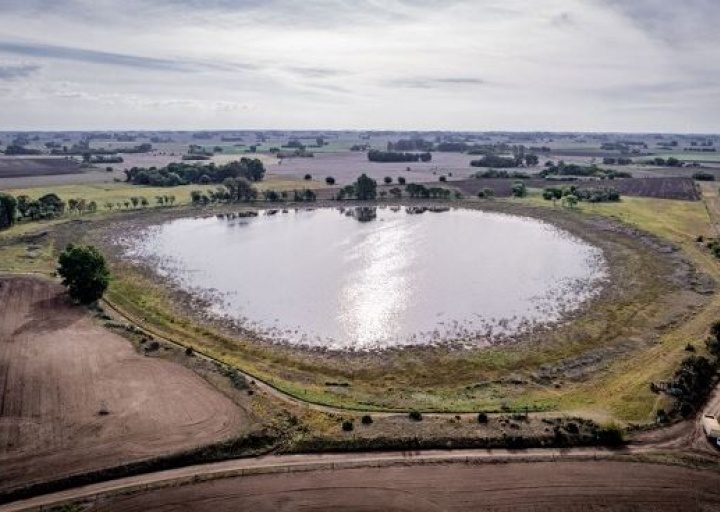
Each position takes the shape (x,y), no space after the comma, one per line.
(661,188)
(22,167)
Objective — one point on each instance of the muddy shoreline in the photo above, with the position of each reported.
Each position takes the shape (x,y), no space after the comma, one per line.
(612,237)
(207,304)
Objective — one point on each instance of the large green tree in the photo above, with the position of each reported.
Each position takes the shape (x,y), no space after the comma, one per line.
(365,188)
(8,210)
(84,272)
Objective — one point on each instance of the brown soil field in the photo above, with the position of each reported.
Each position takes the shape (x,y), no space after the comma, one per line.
(660,187)
(515,486)
(59,370)
(15,167)
(346,166)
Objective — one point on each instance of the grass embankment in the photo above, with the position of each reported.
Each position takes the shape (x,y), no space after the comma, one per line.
(438,379)
(623,391)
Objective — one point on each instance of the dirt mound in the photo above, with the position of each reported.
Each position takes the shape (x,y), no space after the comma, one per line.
(75,397)
(541,486)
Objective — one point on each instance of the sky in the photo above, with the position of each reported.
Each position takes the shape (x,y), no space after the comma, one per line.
(556,65)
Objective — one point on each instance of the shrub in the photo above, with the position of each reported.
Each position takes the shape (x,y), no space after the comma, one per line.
(307,177)
(415,415)
(482,417)
(703,176)
(366,420)
(443,179)
(189,351)
(519,189)
(347,426)
(387,180)
(330,180)
(610,435)
(401,180)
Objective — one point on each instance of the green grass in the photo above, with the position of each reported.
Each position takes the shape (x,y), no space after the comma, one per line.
(686,156)
(121,192)
(623,391)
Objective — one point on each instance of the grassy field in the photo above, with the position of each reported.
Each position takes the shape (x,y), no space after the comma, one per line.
(623,391)
(700,156)
(122,192)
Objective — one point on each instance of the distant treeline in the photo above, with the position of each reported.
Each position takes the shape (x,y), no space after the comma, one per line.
(251,169)
(563,169)
(375,155)
(506,161)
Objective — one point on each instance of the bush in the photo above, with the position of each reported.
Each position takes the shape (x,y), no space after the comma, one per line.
(307,177)
(610,435)
(692,381)
(401,181)
(482,417)
(347,426)
(330,180)
(84,272)
(443,179)
(519,189)
(387,180)
(415,415)
(366,420)
(703,176)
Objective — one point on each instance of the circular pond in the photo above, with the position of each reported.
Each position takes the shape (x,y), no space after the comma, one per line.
(377,278)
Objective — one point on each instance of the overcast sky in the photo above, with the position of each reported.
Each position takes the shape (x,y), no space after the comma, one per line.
(587,65)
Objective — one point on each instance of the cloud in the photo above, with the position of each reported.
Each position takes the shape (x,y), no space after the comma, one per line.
(434,83)
(68,53)
(316,72)
(13,72)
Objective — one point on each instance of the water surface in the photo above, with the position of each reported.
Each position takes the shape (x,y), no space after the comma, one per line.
(323,278)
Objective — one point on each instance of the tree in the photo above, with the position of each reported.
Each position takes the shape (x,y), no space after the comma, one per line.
(8,210)
(401,181)
(387,180)
(570,201)
(365,188)
(135,201)
(519,189)
(330,180)
(84,272)
(240,189)
(307,177)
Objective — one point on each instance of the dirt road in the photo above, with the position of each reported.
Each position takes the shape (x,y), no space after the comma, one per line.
(75,397)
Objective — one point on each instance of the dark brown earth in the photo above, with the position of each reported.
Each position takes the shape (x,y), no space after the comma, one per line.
(59,371)
(515,486)
(658,187)
(20,167)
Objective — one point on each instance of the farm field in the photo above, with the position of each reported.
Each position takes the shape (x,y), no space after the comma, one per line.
(76,397)
(122,192)
(539,486)
(660,187)
(24,167)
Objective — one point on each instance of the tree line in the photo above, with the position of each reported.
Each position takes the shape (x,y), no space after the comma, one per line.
(376,155)
(251,169)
